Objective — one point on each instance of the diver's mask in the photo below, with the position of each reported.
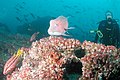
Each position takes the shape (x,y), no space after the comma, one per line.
(109,17)
(109,20)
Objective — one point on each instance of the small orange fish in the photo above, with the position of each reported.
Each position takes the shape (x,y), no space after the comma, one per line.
(59,26)
(33,37)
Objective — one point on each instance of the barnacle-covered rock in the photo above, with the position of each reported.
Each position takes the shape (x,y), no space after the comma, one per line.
(52,58)
(46,59)
(100,62)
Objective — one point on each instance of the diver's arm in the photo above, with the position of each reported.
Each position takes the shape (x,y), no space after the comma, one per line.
(99,28)
(119,40)
(117,35)
(96,38)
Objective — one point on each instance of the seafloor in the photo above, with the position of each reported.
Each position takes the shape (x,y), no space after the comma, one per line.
(9,44)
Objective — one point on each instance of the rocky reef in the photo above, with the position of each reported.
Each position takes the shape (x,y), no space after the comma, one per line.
(100,62)
(54,58)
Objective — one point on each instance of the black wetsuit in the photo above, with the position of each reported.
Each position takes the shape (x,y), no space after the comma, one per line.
(110,33)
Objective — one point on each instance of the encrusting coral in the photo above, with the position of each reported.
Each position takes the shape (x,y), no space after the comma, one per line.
(100,62)
(46,59)
(50,57)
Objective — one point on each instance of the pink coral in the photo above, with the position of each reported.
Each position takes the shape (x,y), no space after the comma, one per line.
(100,61)
(49,58)
(46,58)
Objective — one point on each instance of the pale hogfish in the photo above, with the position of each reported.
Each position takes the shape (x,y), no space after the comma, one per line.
(59,26)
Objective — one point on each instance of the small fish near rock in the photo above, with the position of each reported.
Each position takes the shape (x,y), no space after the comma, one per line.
(33,37)
(59,26)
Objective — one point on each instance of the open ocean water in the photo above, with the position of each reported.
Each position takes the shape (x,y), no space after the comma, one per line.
(20,19)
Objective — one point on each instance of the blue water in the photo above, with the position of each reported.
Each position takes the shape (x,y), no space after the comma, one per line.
(30,16)
(83,14)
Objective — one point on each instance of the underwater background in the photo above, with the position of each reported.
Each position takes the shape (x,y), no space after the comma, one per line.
(83,14)
(19,19)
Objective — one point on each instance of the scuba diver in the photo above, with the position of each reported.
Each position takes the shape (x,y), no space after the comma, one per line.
(108,31)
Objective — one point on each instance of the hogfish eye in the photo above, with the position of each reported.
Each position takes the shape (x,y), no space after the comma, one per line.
(55,25)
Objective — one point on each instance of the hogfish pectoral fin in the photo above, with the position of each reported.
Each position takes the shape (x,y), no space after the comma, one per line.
(57,34)
(66,35)
(54,33)
(60,34)
(71,28)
